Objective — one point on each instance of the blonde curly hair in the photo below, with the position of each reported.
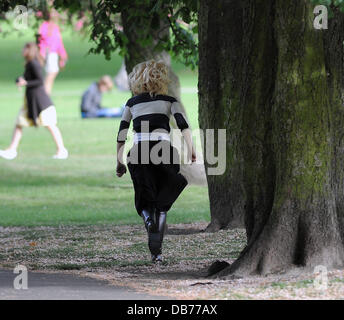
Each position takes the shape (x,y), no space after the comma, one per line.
(149,76)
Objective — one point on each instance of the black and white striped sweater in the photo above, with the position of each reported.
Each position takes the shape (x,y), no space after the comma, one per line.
(154,111)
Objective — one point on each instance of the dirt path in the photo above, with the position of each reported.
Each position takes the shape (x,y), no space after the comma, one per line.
(119,255)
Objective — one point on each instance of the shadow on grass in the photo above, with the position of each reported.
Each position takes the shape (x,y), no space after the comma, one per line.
(181,231)
(173,275)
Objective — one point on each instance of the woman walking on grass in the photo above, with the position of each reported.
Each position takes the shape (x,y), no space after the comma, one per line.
(152,161)
(51,48)
(38,109)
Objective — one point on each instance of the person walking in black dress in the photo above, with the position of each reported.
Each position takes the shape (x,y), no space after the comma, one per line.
(152,161)
(38,109)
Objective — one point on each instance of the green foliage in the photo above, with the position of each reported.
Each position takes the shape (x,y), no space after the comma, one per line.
(151,15)
(330,4)
(104,17)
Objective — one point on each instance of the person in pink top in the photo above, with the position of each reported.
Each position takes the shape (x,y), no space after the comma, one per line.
(51,49)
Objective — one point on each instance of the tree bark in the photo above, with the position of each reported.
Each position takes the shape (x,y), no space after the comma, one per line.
(220,80)
(287,87)
(135,30)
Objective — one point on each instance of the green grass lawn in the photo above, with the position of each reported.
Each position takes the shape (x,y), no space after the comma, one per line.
(36,190)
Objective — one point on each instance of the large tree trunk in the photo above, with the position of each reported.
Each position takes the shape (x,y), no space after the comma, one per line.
(220,90)
(283,102)
(136,30)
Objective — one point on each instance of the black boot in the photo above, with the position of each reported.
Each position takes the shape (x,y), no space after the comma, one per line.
(148,220)
(157,239)
(162,224)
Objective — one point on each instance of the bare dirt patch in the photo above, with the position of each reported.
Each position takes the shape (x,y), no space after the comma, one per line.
(119,254)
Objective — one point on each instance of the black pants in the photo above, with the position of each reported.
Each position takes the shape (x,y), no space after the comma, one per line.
(157,186)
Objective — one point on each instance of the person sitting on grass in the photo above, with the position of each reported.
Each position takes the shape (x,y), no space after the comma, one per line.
(38,109)
(91,99)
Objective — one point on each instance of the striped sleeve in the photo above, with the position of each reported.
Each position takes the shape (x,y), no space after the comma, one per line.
(124,125)
(177,112)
